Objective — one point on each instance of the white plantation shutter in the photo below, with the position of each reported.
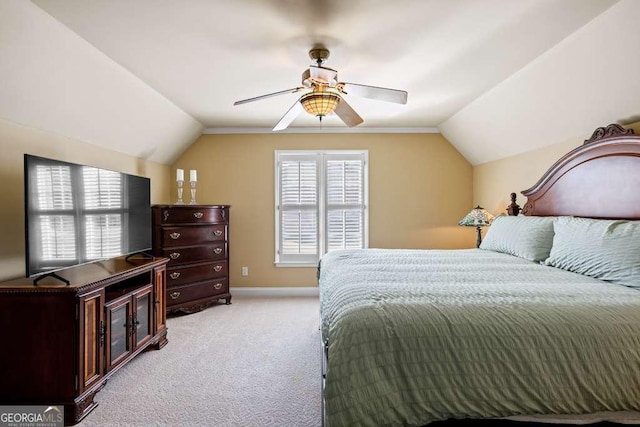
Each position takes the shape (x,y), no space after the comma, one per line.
(59,219)
(102,189)
(57,237)
(104,235)
(298,208)
(320,204)
(103,195)
(53,186)
(345,201)
(57,226)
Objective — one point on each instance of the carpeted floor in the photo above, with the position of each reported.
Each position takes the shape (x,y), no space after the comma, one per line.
(253,363)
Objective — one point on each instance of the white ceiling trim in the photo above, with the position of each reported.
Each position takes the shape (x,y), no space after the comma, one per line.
(231,131)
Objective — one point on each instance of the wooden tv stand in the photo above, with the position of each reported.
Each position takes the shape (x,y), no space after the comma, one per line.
(62,342)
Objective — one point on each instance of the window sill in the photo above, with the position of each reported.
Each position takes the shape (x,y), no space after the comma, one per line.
(296,264)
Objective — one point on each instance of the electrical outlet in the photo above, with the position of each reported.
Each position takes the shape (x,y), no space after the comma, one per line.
(245,271)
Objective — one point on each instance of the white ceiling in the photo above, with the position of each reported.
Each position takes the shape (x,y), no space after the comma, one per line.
(453,57)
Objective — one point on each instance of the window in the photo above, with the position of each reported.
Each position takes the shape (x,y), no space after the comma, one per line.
(321,204)
(89,204)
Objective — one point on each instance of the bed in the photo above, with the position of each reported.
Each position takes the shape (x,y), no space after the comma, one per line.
(541,323)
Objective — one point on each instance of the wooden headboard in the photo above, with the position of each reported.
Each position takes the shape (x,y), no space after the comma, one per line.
(600,179)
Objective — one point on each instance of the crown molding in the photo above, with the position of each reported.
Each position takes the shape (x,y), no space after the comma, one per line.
(239,130)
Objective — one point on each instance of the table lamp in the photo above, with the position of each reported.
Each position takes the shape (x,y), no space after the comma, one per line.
(478,218)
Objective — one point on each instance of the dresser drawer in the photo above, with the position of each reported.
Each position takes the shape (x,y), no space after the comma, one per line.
(179,275)
(193,235)
(182,255)
(190,215)
(196,291)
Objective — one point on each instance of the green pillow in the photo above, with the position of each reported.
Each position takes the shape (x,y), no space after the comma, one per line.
(528,237)
(604,249)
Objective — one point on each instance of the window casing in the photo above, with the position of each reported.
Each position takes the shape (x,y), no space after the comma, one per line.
(321,204)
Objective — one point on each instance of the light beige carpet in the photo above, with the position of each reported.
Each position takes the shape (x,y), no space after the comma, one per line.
(253,363)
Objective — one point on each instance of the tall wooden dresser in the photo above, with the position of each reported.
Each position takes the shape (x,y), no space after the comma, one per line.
(195,238)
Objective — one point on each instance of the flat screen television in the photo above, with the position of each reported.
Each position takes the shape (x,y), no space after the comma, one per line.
(76,214)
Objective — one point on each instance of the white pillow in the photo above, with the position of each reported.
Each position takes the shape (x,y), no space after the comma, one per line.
(528,237)
(604,249)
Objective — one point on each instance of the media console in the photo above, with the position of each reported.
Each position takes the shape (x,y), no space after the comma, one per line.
(60,343)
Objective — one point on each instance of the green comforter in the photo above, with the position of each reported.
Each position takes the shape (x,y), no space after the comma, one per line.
(419,336)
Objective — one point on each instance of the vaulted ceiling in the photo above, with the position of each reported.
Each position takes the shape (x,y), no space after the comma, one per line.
(496,77)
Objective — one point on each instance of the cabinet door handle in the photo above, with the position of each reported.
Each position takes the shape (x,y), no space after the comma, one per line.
(174,236)
(174,255)
(217,251)
(102,331)
(174,295)
(217,233)
(129,326)
(174,275)
(217,268)
(198,215)
(217,285)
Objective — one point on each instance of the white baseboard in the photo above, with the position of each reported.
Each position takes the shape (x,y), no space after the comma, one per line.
(307,291)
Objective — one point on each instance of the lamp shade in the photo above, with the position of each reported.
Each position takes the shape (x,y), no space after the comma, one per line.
(478,217)
(320,103)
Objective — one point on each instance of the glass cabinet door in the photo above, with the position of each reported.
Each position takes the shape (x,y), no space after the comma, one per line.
(143,316)
(118,321)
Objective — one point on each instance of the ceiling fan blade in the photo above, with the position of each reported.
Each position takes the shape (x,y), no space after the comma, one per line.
(289,116)
(374,92)
(282,92)
(347,114)
(323,75)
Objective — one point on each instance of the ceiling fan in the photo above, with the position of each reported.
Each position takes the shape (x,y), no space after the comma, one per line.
(325,95)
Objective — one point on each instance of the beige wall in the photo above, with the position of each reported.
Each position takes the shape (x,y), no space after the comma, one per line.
(15,141)
(494,181)
(420,186)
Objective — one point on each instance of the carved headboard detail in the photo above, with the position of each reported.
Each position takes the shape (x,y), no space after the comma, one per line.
(599,179)
(611,131)
(513,209)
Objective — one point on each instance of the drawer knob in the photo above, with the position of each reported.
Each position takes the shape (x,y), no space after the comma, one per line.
(217,285)
(217,233)
(174,236)
(217,268)
(174,275)
(174,255)
(217,251)
(174,295)
(198,215)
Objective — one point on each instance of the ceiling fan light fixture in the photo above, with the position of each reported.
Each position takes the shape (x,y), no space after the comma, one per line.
(326,93)
(320,103)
